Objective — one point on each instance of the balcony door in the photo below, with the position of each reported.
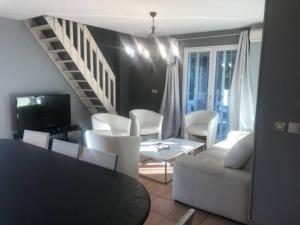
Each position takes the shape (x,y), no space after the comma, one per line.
(207,81)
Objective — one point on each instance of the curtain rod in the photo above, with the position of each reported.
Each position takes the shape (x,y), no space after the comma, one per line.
(205,37)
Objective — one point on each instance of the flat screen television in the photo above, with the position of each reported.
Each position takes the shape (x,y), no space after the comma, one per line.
(43,113)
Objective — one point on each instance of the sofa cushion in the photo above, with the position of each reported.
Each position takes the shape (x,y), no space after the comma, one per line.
(240,152)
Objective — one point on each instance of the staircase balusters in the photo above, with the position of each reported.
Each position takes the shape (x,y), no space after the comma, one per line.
(86,55)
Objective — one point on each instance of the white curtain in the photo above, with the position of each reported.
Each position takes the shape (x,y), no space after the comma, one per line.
(241,102)
(170,105)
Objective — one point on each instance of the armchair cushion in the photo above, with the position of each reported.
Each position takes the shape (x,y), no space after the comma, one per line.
(240,153)
(198,129)
(149,130)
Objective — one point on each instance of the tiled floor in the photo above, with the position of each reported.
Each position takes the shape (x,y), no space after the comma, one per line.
(165,211)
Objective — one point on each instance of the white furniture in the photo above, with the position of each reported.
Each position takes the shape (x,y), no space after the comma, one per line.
(126,147)
(104,159)
(146,122)
(37,138)
(177,147)
(204,182)
(65,148)
(111,124)
(201,124)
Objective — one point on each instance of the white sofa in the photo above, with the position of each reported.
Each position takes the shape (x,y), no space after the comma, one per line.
(203,181)
(111,124)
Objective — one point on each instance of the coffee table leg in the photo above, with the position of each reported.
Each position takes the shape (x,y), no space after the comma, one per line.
(166,170)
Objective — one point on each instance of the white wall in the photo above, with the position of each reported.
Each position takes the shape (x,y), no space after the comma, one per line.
(26,69)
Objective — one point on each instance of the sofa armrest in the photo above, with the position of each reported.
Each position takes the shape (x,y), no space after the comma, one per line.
(236,135)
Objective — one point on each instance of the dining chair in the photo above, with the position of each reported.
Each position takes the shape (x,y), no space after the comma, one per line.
(201,124)
(37,138)
(104,159)
(65,148)
(146,122)
(187,219)
(126,147)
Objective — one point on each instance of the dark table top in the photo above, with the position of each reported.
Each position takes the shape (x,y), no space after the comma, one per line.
(40,187)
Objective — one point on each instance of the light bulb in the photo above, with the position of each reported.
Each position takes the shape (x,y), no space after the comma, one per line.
(146,53)
(129,51)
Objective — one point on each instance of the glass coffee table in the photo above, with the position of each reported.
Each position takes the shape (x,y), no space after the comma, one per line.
(165,152)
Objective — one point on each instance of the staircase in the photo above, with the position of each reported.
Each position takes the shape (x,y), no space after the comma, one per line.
(74,51)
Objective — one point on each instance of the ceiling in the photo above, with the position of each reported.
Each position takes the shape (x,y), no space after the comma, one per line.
(131,16)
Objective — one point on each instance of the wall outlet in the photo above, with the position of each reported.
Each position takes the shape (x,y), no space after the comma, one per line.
(154,91)
(294,128)
(280,126)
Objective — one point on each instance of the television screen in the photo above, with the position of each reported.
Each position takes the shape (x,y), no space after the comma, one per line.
(43,113)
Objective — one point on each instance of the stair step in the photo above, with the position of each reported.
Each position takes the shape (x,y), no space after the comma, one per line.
(84,89)
(49,39)
(72,71)
(57,50)
(91,98)
(78,80)
(64,61)
(97,106)
(41,27)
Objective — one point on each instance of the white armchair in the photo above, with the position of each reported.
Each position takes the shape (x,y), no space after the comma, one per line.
(111,124)
(146,122)
(201,124)
(127,149)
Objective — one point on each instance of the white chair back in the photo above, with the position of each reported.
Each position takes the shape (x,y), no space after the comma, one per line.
(65,148)
(126,147)
(143,119)
(111,122)
(209,118)
(187,219)
(104,159)
(40,139)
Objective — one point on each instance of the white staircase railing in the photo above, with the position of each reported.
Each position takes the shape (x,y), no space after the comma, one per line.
(83,52)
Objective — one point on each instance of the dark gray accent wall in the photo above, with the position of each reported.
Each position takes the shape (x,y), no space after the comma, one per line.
(276,183)
(111,45)
(26,69)
(138,77)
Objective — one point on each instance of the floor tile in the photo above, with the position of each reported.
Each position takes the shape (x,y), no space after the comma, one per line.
(162,206)
(143,180)
(155,188)
(153,219)
(199,217)
(216,220)
(152,197)
(168,221)
(178,211)
(167,194)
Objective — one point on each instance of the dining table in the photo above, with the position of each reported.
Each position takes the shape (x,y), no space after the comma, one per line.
(41,187)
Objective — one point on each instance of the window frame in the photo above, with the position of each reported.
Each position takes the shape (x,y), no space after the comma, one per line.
(212,72)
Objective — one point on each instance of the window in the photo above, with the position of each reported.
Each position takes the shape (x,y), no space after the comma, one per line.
(208,73)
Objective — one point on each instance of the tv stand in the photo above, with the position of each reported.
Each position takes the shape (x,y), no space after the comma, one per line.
(61,130)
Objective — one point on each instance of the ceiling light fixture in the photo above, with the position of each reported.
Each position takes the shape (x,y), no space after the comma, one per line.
(153,28)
